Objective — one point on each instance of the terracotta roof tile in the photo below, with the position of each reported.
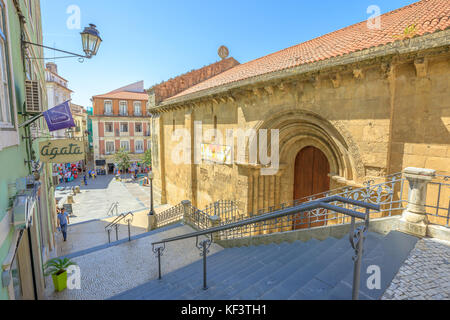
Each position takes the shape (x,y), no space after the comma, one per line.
(428,16)
(125,95)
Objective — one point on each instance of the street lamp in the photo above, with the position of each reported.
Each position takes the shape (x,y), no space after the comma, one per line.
(150,176)
(90,38)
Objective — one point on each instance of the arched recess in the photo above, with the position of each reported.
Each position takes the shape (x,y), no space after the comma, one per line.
(299,129)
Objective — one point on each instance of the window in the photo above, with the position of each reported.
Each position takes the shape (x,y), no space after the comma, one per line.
(137,108)
(138,127)
(125,145)
(124,127)
(110,148)
(109,127)
(123,108)
(5,111)
(108,108)
(139,146)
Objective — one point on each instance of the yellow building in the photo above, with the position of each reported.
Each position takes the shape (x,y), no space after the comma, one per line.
(357,104)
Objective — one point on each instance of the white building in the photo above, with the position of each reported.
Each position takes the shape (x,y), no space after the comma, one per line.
(57,92)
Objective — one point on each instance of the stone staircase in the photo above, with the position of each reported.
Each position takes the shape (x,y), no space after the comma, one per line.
(297,270)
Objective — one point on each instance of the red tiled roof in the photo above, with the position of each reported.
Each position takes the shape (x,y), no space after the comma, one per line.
(428,16)
(124,95)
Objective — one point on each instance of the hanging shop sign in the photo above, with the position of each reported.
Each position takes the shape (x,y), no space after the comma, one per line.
(61,151)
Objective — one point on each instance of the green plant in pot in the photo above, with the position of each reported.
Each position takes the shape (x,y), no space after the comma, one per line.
(57,268)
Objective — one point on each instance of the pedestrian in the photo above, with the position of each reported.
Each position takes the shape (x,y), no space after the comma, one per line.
(85,180)
(63,221)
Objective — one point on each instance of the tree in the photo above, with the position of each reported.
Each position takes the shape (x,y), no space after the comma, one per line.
(147,158)
(122,159)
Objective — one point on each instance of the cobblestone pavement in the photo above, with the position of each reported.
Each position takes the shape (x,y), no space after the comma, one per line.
(96,198)
(110,271)
(425,275)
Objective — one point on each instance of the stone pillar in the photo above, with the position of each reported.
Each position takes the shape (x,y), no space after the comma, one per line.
(414,219)
(151,224)
(186,207)
(215,222)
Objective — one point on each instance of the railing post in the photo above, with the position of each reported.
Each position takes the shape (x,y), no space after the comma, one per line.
(414,218)
(129,230)
(109,235)
(204,249)
(117,231)
(357,265)
(159,263)
(186,213)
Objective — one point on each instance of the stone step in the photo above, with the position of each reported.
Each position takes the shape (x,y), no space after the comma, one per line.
(323,255)
(388,255)
(320,285)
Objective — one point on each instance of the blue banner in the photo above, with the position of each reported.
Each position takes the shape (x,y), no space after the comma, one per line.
(59,117)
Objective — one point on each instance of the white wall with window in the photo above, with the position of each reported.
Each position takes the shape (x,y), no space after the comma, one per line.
(124,128)
(123,108)
(139,146)
(108,107)
(137,108)
(110,147)
(124,144)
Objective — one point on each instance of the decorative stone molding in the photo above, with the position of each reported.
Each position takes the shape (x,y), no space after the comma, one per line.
(336,79)
(421,65)
(269,89)
(358,74)
(414,219)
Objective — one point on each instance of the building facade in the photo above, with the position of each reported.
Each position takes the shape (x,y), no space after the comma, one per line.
(120,120)
(354,105)
(57,92)
(26,232)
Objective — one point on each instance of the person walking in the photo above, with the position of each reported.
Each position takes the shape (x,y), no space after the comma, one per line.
(63,221)
(85,180)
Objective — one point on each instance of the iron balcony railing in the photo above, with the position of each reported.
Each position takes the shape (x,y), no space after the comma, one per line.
(356,234)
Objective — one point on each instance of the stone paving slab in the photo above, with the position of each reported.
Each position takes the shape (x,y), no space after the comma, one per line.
(110,271)
(96,198)
(425,275)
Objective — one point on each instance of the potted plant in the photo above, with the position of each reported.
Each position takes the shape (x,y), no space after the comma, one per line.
(57,268)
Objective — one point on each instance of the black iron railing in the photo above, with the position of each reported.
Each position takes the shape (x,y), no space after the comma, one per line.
(356,234)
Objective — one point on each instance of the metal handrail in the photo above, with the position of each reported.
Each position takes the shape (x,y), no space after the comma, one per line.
(115,224)
(114,205)
(356,234)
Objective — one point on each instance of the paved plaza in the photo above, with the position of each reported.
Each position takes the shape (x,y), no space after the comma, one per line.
(97,197)
(425,275)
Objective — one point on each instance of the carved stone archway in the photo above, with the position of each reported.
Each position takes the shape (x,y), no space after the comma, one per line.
(297,130)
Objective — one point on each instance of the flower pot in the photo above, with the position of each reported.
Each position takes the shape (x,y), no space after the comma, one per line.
(60,281)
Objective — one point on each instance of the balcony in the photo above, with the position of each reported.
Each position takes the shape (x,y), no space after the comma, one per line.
(123,114)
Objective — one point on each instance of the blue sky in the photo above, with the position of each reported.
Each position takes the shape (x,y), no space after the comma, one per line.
(157,40)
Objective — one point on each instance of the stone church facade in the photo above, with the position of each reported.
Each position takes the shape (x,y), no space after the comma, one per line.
(353,105)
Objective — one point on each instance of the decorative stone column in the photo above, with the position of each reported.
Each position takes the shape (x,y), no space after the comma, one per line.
(215,222)
(186,207)
(414,219)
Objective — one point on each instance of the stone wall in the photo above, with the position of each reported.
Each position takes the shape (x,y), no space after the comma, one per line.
(371,118)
